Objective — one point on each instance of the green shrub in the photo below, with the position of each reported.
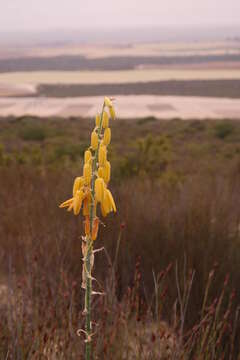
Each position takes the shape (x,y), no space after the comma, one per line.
(223,129)
(33,133)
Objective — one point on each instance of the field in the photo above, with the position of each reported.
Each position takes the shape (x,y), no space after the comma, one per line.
(177,193)
(169,269)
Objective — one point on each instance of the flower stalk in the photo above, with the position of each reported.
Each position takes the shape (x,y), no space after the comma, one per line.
(90,190)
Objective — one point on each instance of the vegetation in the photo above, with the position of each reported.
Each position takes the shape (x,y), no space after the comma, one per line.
(171,270)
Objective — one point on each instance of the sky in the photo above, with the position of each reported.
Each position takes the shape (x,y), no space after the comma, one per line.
(78,14)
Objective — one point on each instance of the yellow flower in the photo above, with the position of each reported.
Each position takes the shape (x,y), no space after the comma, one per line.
(100,171)
(105,120)
(66,203)
(107,136)
(108,202)
(99,189)
(112,112)
(97,120)
(107,172)
(102,155)
(94,140)
(77,201)
(78,183)
(107,102)
(87,156)
(87,173)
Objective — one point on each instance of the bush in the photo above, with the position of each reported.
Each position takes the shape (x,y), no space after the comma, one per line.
(33,133)
(223,129)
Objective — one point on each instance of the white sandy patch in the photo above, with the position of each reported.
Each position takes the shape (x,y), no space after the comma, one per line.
(116,77)
(162,107)
(10,89)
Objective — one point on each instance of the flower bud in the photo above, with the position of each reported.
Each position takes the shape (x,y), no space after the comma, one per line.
(107,136)
(94,140)
(100,171)
(107,172)
(78,183)
(86,206)
(87,173)
(105,120)
(87,156)
(112,112)
(107,101)
(87,226)
(97,120)
(95,228)
(102,155)
(99,189)
(77,202)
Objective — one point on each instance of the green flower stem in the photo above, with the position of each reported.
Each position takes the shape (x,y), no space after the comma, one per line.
(89,254)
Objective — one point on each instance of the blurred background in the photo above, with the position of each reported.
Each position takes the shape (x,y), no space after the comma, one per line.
(171,269)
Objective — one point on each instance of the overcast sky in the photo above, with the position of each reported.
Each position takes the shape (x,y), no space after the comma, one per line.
(73,14)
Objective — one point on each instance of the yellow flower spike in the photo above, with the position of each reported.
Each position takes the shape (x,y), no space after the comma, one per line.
(107,102)
(87,156)
(102,155)
(95,228)
(77,202)
(107,172)
(78,183)
(94,140)
(87,173)
(112,113)
(99,189)
(66,203)
(105,120)
(107,136)
(100,171)
(97,120)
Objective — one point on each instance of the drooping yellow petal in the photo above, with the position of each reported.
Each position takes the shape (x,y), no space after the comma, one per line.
(106,204)
(112,112)
(94,140)
(113,205)
(107,136)
(77,202)
(105,120)
(78,183)
(66,203)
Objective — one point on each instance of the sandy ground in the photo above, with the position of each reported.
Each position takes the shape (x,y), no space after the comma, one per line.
(162,107)
(7,89)
(117,77)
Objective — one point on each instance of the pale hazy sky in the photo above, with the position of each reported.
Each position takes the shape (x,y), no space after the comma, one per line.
(72,14)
